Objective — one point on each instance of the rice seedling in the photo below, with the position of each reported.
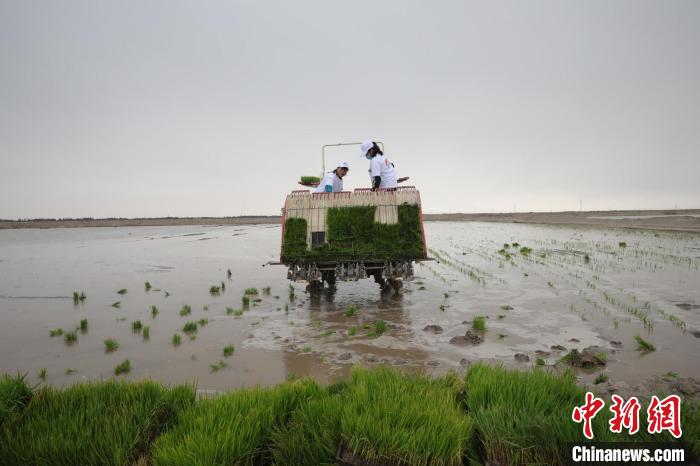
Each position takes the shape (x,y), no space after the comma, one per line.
(392,418)
(442,307)
(286,308)
(136,326)
(245,302)
(120,319)
(255,323)
(147,286)
(202,322)
(516,245)
(185,310)
(352,331)
(327,333)
(214,290)
(228,350)
(190,327)
(42,373)
(167,294)
(379,327)
(587,259)
(602,377)
(501,336)
(643,345)
(70,337)
(122,291)
(228,274)
(550,284)
(176,340)
(78,297)
(266,291)
(602,356)
(306,349)
(111,345)
(102,423)
(205,307)
(117,304)
(479,323)
(147,333)
(223,287)
(57,332)
(69,371)
(216,367)
(292,296)
(251,291)
(351,310)
(525,251)
(123,367)
(234,428)
(154,311)
(501,316)
(622,244)
(83,325)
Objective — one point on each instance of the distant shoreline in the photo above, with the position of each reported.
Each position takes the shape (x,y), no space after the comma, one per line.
(672,220)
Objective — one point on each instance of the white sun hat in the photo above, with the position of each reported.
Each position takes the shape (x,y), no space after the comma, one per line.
(365,146)
(344,164)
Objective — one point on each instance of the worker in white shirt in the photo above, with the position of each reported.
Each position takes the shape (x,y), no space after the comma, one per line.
(382,172)
(332,182)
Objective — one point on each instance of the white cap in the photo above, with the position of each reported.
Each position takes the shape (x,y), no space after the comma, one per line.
(365,146)
(344,164)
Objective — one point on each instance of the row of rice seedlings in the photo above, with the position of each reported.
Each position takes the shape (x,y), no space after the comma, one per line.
(105,423)
(630,308)
(234,428)
(79,298)
(466,270)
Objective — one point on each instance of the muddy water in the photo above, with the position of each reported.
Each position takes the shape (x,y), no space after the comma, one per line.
(556,296)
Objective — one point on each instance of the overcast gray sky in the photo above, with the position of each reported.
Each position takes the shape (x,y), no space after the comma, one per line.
(191,108)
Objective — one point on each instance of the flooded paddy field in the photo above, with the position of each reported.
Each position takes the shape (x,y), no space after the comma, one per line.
(495,290)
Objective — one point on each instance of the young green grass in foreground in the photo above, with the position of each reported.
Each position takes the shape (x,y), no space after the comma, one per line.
(643,345)
(15,394)
(235,428)
(111,345)
(105,423)
(404,419)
